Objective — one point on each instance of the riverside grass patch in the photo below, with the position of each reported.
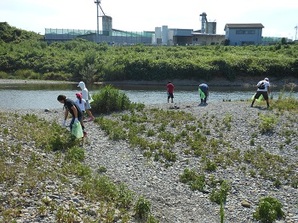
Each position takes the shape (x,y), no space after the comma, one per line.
(39,159)
(166,136)
(286,103)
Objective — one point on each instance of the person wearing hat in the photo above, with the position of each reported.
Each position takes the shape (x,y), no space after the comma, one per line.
(263,88)
(86,97)
(81,102)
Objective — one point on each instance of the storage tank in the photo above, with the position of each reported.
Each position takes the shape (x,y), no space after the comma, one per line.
(171,37)
(107,25)
(165,35)
(158,35)
(211,28)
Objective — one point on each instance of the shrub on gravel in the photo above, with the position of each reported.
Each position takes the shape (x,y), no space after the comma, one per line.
(110,99)
(268,210)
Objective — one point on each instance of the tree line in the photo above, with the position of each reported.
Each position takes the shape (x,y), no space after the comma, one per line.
(26,55)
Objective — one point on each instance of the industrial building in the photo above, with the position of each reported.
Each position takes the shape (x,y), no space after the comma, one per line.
(235,34)
(160,36)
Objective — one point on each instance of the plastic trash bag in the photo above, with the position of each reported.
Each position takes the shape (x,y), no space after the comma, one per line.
(77,130)
(202,94)
(261,98)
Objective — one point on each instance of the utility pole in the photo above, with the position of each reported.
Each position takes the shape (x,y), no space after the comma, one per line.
(97,2)
(296,27)
(99,11)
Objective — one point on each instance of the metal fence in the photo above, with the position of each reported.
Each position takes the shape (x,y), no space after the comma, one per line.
(113,37)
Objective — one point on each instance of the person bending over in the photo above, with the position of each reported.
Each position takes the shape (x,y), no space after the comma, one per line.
(263,88)
(71,107)
(204,93)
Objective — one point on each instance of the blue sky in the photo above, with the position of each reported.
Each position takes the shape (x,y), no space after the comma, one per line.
(278,17)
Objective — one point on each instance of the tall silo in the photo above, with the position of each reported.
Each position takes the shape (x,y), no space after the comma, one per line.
(165,35)
(211,28)
(171,37)
(203,22)
(158,35)
(107,25)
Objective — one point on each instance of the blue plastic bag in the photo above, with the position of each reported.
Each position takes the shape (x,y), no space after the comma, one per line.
(77,130)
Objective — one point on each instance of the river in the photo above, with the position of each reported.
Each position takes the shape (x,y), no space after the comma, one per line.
(44,96)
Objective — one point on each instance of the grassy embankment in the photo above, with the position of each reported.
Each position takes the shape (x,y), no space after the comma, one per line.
(24,56)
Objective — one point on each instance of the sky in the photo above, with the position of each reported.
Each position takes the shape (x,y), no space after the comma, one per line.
(279,18)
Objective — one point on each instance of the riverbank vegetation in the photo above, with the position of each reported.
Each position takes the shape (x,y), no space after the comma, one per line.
(168,136)
(42,167)
(157,132)
(24,55)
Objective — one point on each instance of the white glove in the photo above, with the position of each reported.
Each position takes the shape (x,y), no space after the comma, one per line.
(76,120)
(64,123)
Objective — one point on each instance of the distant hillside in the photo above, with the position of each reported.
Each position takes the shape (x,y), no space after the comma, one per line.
(12,34)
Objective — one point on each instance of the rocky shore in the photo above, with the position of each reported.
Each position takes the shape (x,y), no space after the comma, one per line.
(173,201)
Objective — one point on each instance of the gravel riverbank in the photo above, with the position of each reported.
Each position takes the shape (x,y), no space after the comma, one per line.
(173,201)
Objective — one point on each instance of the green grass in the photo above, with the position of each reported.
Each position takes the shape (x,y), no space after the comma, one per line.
(285,103)
(204,137)
(159,138)
(40,160)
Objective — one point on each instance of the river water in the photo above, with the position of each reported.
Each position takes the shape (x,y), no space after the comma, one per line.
(39,96)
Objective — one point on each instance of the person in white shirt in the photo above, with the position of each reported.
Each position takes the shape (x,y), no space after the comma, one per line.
(81,102)
(87,97)
(264,90)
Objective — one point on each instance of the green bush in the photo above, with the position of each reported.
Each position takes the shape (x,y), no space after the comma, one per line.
(3,75)
(268,210)
(142,208)
(110,99)
(26,74)
(75,154)
(267,123)
(125,196)
(285,102)
(196,181)
(220,195)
